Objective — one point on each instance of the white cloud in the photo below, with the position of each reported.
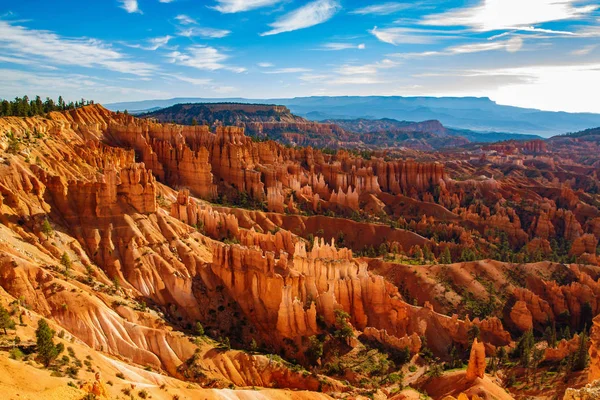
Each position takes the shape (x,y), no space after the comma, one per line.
(366,69)
(397,36)
(512,45)
(265,65)
(342,46)
(203,57)
(381,9)
(131,6)
(291,70)
(156,43)
(166,1)
(551,87)
(234,6)
(210,33)
(189,79)
(311,14)
(51,48)
(70,86)
(352,74)
(584,51)
(490,15)
(185,19)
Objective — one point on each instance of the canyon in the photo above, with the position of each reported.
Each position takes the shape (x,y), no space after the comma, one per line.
(197,260)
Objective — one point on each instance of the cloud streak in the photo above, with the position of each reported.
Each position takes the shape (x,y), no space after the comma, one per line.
(311,14)
(398,36)
(204,58)
(491,15)
(382,9)
(131,6)
(342,46)
(235,6)
(57,50)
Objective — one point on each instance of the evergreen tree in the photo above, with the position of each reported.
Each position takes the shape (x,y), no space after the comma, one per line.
(524,348)
(199,329)
(47,228)
(65,260)
(46,349)
(6,321)
(446,257)
(536,359)
(581,357)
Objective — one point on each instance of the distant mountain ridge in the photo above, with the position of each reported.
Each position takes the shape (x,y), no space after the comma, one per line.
(469,113)
(278,123)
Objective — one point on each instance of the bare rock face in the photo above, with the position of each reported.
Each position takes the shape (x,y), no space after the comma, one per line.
(412,342)
(590,392)
(563,349)
(594,351)
(521,316)
(476,367)
(585,245)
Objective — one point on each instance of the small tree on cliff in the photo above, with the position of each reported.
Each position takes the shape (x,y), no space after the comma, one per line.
(47,228)
(6,321)
(65,260)
(446,257)
(581,357)
(315,349)
(47,350)
(199,329)
(344,330)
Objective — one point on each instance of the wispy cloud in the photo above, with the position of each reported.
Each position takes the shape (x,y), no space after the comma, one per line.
(54,49)
(512,45)
(189,79)
(352,74)
(341,46)
(185,19)
(397,36)
(203,57)
(190,31)
(71,86)
(166,1)
(265,64)
(490,15)
(209,33)
(235,6)
(131,6)
(291,70)
(153,43)
(381,9)
(311,14)
(584,51)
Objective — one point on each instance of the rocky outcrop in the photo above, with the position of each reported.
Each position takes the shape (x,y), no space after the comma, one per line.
(590,392)
(413,342)
(594,351)
(521,316)
(477,364)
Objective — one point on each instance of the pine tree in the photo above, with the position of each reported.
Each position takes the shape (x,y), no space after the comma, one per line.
(6,321)
(47,228)
(581,357)
(446,257)
(65,260)
(199,329)
(46,349)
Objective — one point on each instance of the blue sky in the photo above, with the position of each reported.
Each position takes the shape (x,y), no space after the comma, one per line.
(533,53)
